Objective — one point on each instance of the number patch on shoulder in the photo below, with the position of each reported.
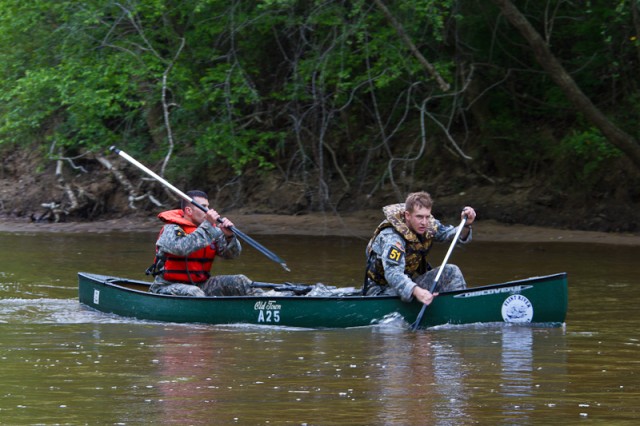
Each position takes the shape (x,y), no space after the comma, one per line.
(395,254)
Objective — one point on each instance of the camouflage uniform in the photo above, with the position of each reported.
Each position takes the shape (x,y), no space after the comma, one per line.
(174,240)
(389,246)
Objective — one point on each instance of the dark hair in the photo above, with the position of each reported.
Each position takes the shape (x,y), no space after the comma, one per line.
(193,194)
(422,199)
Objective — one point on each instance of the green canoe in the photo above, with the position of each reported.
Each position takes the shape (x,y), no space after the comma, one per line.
(540,300)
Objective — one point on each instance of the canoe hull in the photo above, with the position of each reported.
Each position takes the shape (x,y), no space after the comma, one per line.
(533,300)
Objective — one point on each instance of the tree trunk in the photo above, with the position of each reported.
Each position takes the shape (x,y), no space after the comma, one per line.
(617,137)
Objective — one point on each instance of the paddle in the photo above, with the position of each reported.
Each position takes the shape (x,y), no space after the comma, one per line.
(272,256)
(415,325)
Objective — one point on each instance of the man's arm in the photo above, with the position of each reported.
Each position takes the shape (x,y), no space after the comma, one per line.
(175,241)
(227,243)
(447,232)
(228,246)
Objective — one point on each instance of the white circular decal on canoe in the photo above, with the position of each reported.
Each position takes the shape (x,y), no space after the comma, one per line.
(517,308)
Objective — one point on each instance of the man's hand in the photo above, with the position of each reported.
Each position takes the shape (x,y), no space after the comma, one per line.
(470,213)
(212,217)
(422,295)
(225,225)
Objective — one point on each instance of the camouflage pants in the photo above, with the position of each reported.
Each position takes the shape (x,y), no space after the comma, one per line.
(230,285)
(177,290)
(450,280)
(220,285)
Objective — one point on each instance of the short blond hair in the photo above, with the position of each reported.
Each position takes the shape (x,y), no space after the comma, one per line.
(418,199)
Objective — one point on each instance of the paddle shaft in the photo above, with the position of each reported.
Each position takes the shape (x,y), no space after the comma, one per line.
(415,325)
(272,256)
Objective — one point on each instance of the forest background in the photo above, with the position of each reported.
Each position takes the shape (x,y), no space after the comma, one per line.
(526,110)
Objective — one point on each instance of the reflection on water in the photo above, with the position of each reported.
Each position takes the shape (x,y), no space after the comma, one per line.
(516,369)
(66,364)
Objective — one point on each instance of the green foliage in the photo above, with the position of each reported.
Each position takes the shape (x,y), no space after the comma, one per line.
(98,67)
(589,153)
(71,92)
(238,150)
(257,84)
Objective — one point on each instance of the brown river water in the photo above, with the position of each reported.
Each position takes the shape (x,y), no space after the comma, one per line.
(64,364)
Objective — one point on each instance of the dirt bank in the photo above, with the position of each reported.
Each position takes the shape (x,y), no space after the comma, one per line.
(360,224)
(516,211)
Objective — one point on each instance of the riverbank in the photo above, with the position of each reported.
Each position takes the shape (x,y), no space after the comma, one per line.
(360,225)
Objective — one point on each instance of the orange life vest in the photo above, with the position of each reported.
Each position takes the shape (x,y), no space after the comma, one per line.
(191,269)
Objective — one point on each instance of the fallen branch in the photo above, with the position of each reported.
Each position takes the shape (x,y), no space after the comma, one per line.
(73,200)
(132,194)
